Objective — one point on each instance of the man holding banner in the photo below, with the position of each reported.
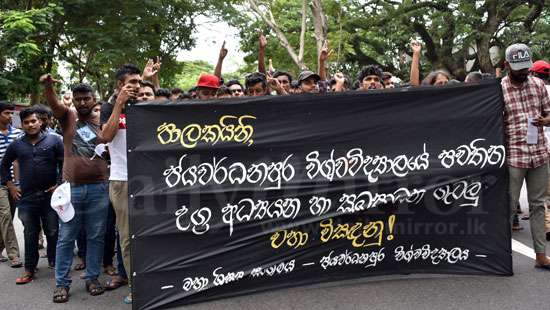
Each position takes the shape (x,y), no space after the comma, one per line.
(527,111)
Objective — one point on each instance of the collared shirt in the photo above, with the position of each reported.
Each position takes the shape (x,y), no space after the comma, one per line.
(529,100)
(40,165)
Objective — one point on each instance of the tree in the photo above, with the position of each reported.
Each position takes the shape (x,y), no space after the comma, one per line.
(27,47)
(93,37)
(378,32)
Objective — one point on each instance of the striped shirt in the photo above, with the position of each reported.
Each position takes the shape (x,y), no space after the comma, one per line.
(529,100)
(5,140)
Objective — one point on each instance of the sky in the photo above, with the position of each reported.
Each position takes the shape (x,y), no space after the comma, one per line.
(209,37)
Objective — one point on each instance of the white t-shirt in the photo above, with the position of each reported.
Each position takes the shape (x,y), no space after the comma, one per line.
(117,147)
(117,150)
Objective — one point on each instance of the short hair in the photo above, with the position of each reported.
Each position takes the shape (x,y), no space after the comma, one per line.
(143,83)
(192,89)
(430,79)
(25,113)
(176,90)
(163,92)
(473,77)
(281,73)
(6,105)
(82,88)
(234,82)
(255,78)
(184,96)
(223,90)
(43,110)
(370,70)
(125,70)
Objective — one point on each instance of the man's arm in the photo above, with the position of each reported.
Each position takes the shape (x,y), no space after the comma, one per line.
(221,57)
(7,179)
(323,56)
(261,54)
(59,109)
(544,120)
(415,64)
(110,128)
(7,162)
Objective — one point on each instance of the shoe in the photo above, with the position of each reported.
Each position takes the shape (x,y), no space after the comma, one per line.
(3,259)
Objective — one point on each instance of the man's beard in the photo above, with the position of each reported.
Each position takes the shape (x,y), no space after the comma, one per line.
(520,78)
(84,111)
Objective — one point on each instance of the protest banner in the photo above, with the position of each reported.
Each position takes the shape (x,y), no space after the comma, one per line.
(245,195)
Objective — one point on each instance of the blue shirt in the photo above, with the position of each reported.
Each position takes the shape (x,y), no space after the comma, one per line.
(39,164)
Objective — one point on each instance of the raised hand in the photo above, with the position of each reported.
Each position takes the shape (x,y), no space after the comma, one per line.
(47,79)
(339,78)
(126,93)
(275,85)
(263,41)
(156,66)
(149,70)
(223,51)
(325,52)
(416,46)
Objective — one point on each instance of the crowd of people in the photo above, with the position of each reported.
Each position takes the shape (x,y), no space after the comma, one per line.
(60,151)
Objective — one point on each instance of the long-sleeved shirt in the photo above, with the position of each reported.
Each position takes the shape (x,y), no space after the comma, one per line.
(40,165)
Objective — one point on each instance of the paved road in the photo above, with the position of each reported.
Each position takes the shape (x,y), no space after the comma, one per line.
(529,288)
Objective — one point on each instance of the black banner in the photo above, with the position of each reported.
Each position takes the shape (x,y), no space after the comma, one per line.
(243,195)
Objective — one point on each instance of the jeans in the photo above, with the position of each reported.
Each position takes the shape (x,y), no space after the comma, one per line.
(33,209)
(110,239)
(91,202)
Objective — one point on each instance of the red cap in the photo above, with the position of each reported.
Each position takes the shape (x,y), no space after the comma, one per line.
(208,81)
(540,66)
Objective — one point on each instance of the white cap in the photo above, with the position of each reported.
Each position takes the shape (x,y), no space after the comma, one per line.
(61,202)
(519,56)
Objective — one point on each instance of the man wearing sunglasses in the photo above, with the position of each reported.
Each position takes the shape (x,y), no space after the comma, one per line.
(235,88)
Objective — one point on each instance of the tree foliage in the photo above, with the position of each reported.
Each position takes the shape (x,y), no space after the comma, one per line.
(93,37)
(454,32)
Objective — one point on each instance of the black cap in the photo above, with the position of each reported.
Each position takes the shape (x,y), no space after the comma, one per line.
(304,75)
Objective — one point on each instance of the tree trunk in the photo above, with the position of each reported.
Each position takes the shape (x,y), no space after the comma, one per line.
(319,25)
(270,22)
